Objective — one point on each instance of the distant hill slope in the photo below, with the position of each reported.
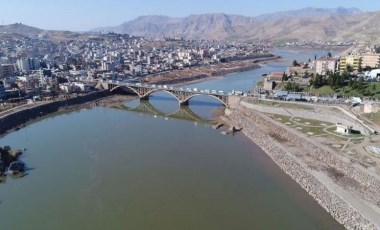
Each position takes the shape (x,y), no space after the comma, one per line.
(305,24)
(33,32)
(222,26)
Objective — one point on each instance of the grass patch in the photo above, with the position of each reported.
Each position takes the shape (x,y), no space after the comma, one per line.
(336,138)
(313,130)
(304,129)
(324,90)
(281,118)
(311,122)
(260,83)
(368,89)
(278,104)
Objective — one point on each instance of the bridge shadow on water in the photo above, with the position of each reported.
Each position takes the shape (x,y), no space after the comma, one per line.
(181,113)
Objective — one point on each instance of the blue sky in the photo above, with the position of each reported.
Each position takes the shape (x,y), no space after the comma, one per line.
(80,15)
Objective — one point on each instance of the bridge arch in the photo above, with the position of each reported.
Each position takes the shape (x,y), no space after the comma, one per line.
(144,94)
(186,100)
(161,90)
(125,86)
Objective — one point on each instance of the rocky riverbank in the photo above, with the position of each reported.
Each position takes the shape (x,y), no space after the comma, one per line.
(349,194)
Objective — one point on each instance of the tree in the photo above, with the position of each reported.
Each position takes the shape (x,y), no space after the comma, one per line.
(349,68)
(292,86)
(331,79)
(318,81)
(284,77)
(373,87)
(377,49)
(295,63)
(329,54)
(315,57)
(338,81)
(309,60)
(350,82)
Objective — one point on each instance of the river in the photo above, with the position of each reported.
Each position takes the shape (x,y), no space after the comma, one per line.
(104,168)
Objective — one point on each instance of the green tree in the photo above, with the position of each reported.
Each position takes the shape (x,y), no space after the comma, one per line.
(350,82)
(331,79)
(373,87)
(292,86)
(360,85)
(318,81)
(329,54)
(295,63)
(284,77)
(349,68)
(338,81)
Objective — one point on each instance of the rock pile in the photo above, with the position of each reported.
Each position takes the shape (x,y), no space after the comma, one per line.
(9,160)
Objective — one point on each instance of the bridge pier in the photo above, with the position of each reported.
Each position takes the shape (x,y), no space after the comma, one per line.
(145,98)
(184,103)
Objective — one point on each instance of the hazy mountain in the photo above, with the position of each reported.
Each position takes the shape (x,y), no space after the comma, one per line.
(222,26)
(33,32)
(304,24)
(310,12)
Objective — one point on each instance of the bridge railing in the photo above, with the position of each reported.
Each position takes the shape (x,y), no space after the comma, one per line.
(170,88)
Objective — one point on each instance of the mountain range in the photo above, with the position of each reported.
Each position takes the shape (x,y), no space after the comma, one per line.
(310,24)
(305,24)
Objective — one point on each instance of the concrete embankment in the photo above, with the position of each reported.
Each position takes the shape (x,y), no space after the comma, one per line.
(15,119)
(355,208)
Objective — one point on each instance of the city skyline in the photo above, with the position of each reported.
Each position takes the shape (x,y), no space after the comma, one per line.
(84,15)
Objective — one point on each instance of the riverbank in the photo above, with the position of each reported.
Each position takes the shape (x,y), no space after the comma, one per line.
(348,193)
(204,73)
(18,118)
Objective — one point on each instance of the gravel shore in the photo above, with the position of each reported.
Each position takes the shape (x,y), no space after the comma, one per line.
(349,194)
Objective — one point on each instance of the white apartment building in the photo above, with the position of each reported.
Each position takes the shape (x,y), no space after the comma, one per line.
(324,65)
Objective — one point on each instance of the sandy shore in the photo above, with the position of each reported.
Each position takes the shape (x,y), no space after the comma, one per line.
(348,193)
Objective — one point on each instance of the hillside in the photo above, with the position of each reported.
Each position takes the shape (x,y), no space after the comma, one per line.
(18,29)
(304,24)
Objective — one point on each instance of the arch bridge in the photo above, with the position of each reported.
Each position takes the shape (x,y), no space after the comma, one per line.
(182,95)
(183,112)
